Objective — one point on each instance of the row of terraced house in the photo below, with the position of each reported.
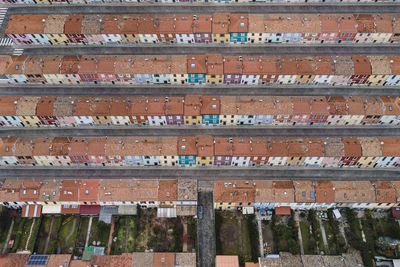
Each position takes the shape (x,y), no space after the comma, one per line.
(105,197)
(201,151)
(29,111)
(230,28)
(179,196)
(358,70)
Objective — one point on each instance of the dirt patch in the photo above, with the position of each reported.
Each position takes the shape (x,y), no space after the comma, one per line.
(229,235)
(268,237)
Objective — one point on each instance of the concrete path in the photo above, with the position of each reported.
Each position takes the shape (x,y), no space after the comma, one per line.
(297,219)
(185,245)
(260,236)
(88,231)
(49,235)
(30,234)
(362,231)
(8,237)
(72,231)
(110,237)
(342,232)
(323,233)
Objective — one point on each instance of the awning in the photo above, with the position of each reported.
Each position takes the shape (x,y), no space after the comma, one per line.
(337,214)
(51,209)
(166,212)
(127,210)
(89,209)
(32,211)
(69,209)
(248,210)
(282,211)
(106,213)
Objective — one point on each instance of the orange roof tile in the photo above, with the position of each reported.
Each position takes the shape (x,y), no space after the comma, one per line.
(168,190)
(202,23)
(220,23)
(238,23)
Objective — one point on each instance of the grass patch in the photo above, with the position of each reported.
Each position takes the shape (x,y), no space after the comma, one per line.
(246,244)
(339,246)
(21,231)
(132,233)
(192,233)
(354,236)
(53,247)
(145,218)
(43,233)
(316,236)
(16,234)
(332,248)
(24,234)
(99,233)
(67,234)
(309,246)
(30,243)
(5,223)
(387,227)
(125,235)
(83,224)
(285,235)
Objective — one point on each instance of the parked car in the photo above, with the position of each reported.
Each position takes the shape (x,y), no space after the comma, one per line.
(200,212)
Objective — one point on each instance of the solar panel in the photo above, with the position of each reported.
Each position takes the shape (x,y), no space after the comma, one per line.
(38,260)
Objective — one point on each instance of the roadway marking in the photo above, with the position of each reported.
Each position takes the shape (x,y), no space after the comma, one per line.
(3,12)
(6,41)
(18,51)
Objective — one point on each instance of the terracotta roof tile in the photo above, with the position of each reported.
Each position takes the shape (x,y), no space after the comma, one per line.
(168,190)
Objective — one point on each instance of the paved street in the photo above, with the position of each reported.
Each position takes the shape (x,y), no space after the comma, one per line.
(301,131)
(177,90)
(225,49)
(3,19)
(206,225)
(141,8)
(202,173)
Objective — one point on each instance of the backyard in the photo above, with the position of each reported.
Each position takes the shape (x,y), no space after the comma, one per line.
(67,234)
(145,231)
(63,234)
(312,233)
(99,233)
(58,234)
(285,234)
(125,235)
(159,234)
(5,223)
(24,233)
(236,234)
(82,228)
(46,240)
